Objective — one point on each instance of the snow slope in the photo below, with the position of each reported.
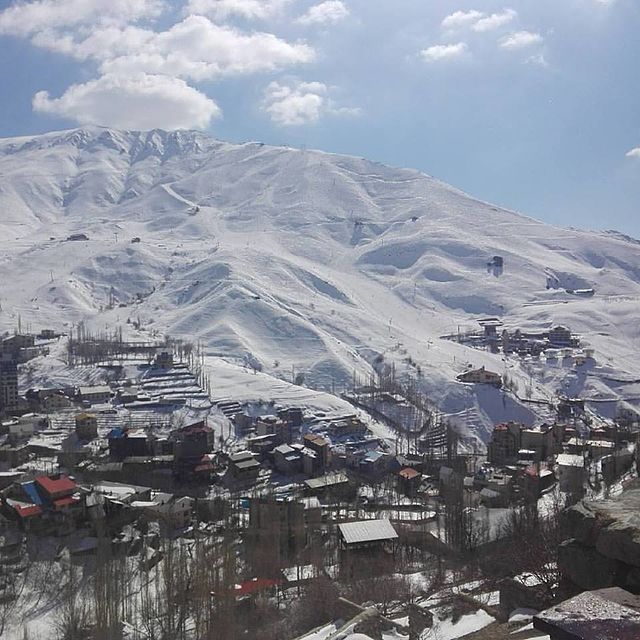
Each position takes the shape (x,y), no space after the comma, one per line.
(303,262)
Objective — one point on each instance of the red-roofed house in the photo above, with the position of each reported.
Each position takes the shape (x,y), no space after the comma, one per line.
(54,488)
(25,510)
(256,585)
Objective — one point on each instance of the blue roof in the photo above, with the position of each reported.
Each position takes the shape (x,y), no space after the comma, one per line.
(115,433)
(373,456)
(31,490)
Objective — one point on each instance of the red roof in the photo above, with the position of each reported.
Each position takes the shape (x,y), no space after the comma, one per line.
(408,473)
(65,502)
(53,486)
(27,511)
(254,586)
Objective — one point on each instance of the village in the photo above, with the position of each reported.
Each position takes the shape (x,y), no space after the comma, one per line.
(556,344)
(144,468)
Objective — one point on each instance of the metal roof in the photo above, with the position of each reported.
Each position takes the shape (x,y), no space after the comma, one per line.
(367,531)
(326,481)
(100,388)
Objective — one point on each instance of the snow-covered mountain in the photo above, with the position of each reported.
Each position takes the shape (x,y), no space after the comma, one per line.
(303,260)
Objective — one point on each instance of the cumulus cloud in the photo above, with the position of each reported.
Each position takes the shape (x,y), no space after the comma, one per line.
(28,18)
(194,48)
(136,102)
(300,103)
(328,12)
(495,21)
(521,40)
(460,19)
(140,65)
(223,9)
(440,52)
(633,153)
(197,48)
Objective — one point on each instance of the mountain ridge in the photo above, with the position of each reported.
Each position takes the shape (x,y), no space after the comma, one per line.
(315,261)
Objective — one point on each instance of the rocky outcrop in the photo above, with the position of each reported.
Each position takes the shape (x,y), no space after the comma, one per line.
(603,549)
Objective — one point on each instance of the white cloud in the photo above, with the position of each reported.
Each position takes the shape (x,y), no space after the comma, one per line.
(197,48)
(100,43)
(443,52)
(520,40)
(328,12)
(142,69)
(28,18)
(300,103)
(460,19)
(495,21)
(136,102)
(223,9)
(633,153)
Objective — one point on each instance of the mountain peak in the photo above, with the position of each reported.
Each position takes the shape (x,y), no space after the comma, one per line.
(138,144)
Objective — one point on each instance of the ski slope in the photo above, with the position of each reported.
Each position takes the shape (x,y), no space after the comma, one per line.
(299,262)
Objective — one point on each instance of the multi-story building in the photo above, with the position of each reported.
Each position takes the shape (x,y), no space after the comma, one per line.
(506,441)
(8,383)
(86,426)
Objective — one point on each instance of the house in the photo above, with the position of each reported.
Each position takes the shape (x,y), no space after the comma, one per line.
(311,462)
(46,502)
(243,465)
(24,427)
(571,473)
(347,426)
(287,460)
(321,446)
(14,344)
(96,394)
(560,337)
(595,448)
(293,415)
(276,524)
(505,443)
(8,383)
(125,443)
(176,513)
(374,464)
(193,441)
(86,426)
(337,484)
(271,425)
(367,534)
(481,376)
(502,486)
(53,401)
(120,492)
(409,481)
(540,440)
(56,488)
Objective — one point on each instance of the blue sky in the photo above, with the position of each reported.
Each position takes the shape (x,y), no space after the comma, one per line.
(533,105)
